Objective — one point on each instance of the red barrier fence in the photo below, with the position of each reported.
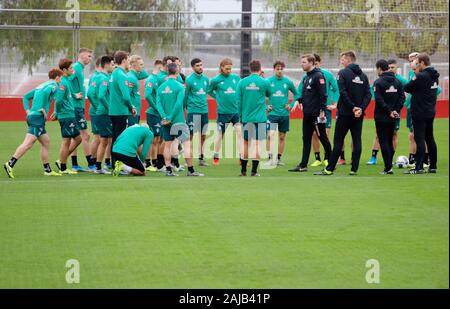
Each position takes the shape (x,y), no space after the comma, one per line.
(11,109)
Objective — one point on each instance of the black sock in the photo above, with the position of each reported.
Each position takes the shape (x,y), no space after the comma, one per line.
(108,161)
(169,168)
(154,162)
(74,161)
(98,165)
(244,166)
(200,157)
(12,161)
(374,153)
(148,162)
(47,168)
(426,158)
(270,156)
(317,155)
(191,169)
(175,161)
(255,164)
(412,158)
(342,155)
(63,167)
(279,156)
(160,160)
(89,160)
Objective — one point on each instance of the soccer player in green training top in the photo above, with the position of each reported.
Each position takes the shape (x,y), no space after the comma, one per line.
(155,159)
(332,99)
(251,96)
(120,103)
(42,97)
(169,104)
(79,94)
(279,109)
(196,104)
(131,148)
(376,145)
(135,74)
(223,89)
(92,85)
(104,125)
(65,113)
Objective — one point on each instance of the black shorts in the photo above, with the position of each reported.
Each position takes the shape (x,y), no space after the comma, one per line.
(133,162)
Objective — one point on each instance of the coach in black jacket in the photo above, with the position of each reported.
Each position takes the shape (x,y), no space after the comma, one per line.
(314,103)
(423,90)
(354,98)
(389,100)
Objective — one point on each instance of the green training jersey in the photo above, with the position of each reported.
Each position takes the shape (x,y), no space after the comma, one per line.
(43,96)
(223,89)
(151,86)
(195,99)
(92,85)
(251,96)
(169,101)
(77,84)
(279,94)
(131,138)
(331,88)
(64,107)
(120,103)
(102,93)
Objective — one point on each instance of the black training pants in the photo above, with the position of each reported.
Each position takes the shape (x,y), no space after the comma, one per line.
(309,126)
(385,133)
(423,133)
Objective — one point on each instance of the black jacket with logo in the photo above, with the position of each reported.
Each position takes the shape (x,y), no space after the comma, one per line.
(314,93)
(389,97)
(354,90)
(423,89)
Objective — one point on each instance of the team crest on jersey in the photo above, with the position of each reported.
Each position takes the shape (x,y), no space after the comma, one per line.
(391,89)
(284,86)
(272,85)
(71,125)
(221,83)
(252,86)
(167,90)
(229,90)
(105,83)
(195,83)
(357,80)
(435,86)
(150,84)
(234,81)
(126,83)
(310,80)
(204,83)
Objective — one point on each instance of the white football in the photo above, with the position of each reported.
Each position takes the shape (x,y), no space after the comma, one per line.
(402,162)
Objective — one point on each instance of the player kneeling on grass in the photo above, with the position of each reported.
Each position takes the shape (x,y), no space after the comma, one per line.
(130,150)
(169,104)
(65,113)
(36,116)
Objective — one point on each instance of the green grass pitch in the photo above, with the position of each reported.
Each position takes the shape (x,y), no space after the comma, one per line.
(281,230)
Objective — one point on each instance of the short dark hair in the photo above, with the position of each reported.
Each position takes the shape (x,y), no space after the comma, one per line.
(392,61)
(317,57)
(54,73)
(382,64)
(172,68)
(164,60)
(120,56)
(64,63)
(351,54)
(105,60)
(423,57)
(195,61)
(158,62)
(310,58)
(279,62)
(255,66)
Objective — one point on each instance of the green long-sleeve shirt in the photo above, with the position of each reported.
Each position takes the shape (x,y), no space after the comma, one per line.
(120,103)
(223,89)
(331,87)
(279,94)
(91,91)
(131,138)
(195,99)
(169,101)
(43,96)
(251,98)
(64,107)
(102,93)
(151,86)
(77,84)
(133,79)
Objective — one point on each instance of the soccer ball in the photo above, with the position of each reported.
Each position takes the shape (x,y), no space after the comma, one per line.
(402,162)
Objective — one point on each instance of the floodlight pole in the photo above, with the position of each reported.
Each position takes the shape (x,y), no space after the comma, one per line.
(246,38)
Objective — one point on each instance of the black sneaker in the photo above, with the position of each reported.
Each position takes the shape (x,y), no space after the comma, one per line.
(353,173)
(432,171)
(298,169)
(390,172)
